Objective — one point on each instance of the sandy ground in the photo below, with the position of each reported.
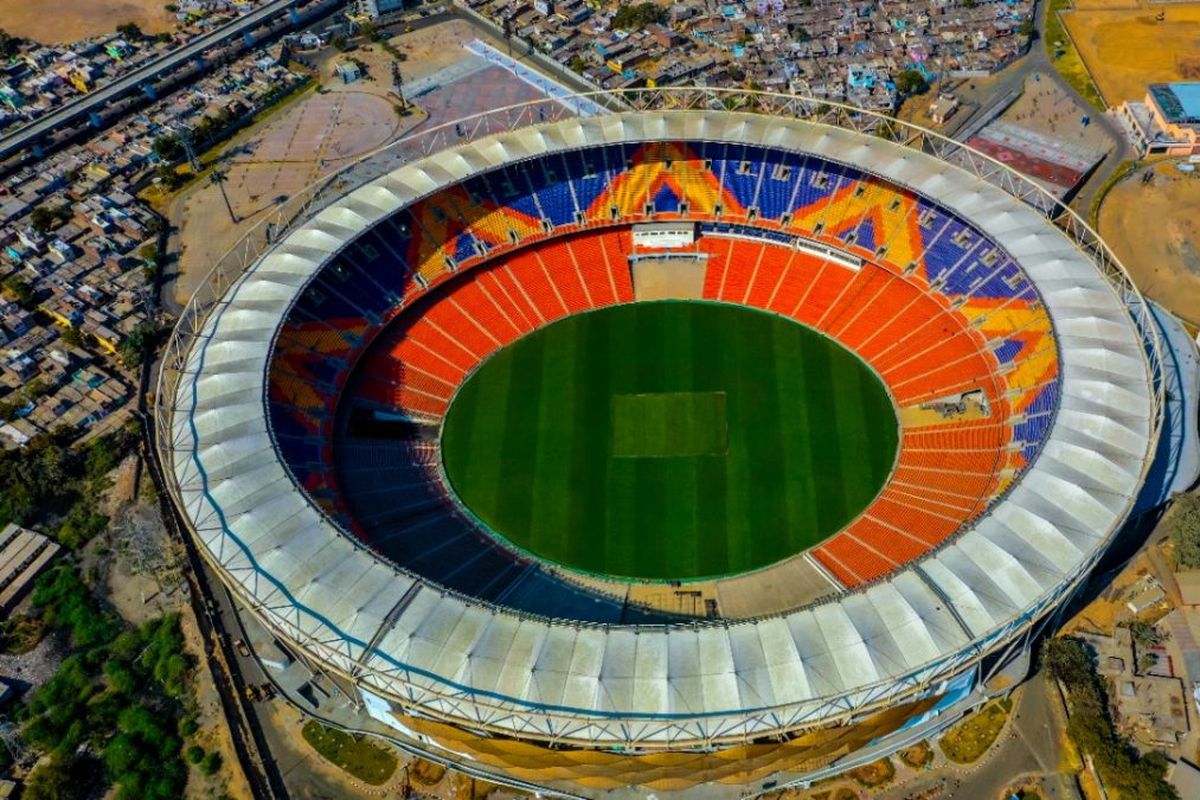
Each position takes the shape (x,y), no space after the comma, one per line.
(1045,107)
(435,47)
(214,731)
(1125,48)
(78,19)
(308,140)
(1154,229)
(315,136)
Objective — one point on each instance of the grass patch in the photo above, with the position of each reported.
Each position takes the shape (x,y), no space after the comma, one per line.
(20,634)
(363,759)
(876,774)
(671,425)
(1064,56)
(806,431)
(970,739)
(917,756)
(425,773)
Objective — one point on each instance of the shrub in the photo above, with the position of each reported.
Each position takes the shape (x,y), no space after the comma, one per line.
(1184,525)
(211,763)
(631,17)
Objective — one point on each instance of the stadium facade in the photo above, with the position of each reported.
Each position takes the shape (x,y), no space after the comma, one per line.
(299,408)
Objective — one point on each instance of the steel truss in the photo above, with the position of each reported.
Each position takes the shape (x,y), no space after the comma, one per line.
(424,696)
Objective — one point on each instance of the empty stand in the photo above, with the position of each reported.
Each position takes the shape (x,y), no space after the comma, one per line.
(413,305)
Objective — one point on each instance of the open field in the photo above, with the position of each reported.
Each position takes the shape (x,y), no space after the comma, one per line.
(305,140)
(967,741)
(1154,228)
(536,443)
(1063,55)
(1125,48)
(318,132)
(78,19)
(359,756)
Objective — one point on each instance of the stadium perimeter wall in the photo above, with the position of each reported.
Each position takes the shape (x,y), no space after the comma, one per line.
(1017,626)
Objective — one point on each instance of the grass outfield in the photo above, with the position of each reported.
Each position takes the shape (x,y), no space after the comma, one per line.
(669,440)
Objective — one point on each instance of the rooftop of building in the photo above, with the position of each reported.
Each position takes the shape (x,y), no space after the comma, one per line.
(1179,102)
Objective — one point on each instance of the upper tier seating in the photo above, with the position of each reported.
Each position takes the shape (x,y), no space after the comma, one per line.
(936,308)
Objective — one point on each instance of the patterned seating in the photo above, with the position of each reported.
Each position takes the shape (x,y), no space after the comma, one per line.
(417,302)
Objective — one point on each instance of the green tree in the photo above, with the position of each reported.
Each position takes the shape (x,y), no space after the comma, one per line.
(1184,525)
(168,177)
(19,291)
(66,603)
(71,336)
(1068,659)
(1145,634)
(211,763)
(910,81)
(80,526)
(138,344)
(798,32)
(121,678)
(130,30)
(1027,28)
(60,778)
(10,45)
(168,147)
(635,17)
(45,219)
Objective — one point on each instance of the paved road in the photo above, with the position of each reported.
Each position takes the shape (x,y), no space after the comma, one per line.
(1029,746)
(72,112)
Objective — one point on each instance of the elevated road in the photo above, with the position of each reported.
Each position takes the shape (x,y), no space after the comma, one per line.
(71,113)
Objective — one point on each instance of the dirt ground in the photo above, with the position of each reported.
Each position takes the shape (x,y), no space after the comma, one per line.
(78,19)
(435,47)
(1046,108)
(312,138)
(214,731)
(1154,228)
(1092,5)
(315,136)
(1125,48)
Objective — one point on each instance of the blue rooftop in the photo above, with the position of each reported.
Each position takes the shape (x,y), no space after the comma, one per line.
(1180,102)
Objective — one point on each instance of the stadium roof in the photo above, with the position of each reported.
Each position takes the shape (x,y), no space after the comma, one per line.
(492,668)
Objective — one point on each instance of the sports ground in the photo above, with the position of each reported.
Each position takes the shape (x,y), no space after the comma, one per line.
(1126,48)
(669,440)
